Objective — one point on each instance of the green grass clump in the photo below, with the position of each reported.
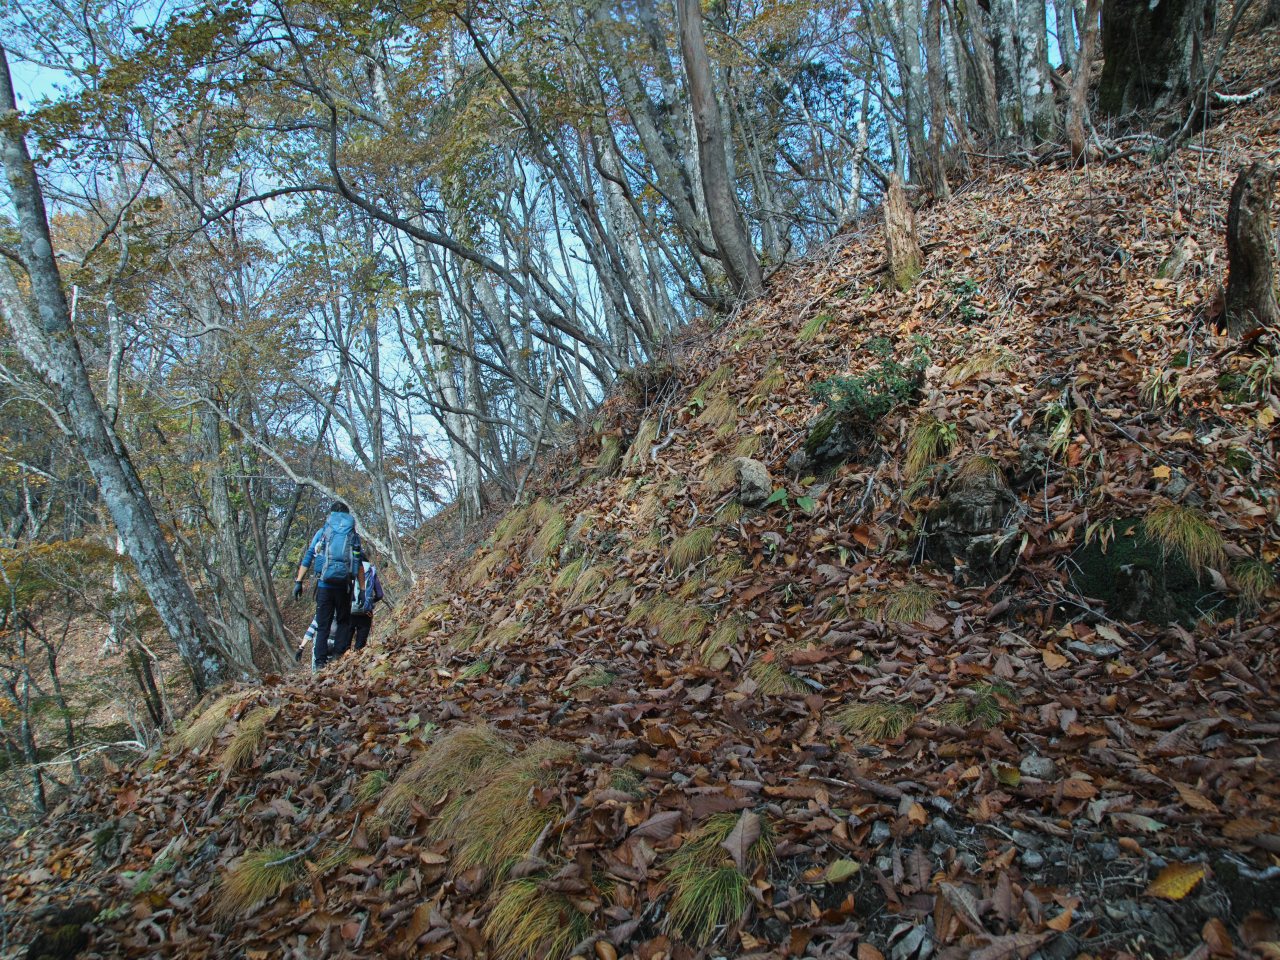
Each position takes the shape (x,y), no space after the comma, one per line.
(1253,579)
(496,825)
(720,413)
(730,513)
(717,377)
(610,456)
(910,603)
(715,649)
(691,548)
(568,574)
(638,452)
(773,681)
(1186,532)
(929,439)
(453,765)
(876,721)
(594,679)
(979,471)
(708,890)
(814,327)
(770,382)
(980,705)
(550,535)
(586,584)
(371,786)
(482,570)
(474,670)
(259,876)
(244,743)
(748,445)
(503,634)
(529,920)
(511,527)
(980,364)
(719,475)
(205,728)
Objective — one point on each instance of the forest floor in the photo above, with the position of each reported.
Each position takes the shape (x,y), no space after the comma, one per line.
(640,718)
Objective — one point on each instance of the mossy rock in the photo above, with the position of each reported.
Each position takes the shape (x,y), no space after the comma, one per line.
(1138,580)
(834,440)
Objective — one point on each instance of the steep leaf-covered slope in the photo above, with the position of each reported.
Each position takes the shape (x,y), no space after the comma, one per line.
(909,706)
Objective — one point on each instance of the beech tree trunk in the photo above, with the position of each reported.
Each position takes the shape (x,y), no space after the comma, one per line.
(900,236)
(48,343)
(1078,104)
(1151,53)
(732,240)
(937,100)
(1251,253)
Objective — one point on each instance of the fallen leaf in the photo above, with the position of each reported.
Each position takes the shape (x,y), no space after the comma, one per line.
(1176,880)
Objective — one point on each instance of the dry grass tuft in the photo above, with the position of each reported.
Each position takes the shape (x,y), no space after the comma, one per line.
(730,513)
(719,476)
(594,679)
(691,548)
(549,537)
(498,823)
(1187,532)
(1253,579)
(813,327)
(610,456)
(707,889)
(982,705)
(929,439)
(452,765)
(715,649)
(528,920)
(638,452)
(482,570)
(731,566)
(876,721)
(770,382)
(204,729)
(568,574)
(718,376)
(371,786)
(244,743)
(465,637)
(980,364)
(503,634)
(511,527)
(260,875)
(773,681)
(720,413)
(475,670)
(979,471)
(910,603)
(337,857)
(747,446)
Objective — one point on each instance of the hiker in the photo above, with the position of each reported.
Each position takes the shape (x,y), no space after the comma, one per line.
(357,633)
(336,546)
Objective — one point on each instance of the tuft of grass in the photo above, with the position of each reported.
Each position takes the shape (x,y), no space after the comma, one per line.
(1162,389)
(429,619)
(568,574)
(1253,579)
(260,875)
(586,584)
(550,535)
(980,364)
(204,729)
(371,786)
(498,823)
(707,889)
(503,634)
(482,570)
(717,377)
(929,439)
(454,764)
(979,471)
(909,604)
(529,920)
(714,651)
(511,527)
(244,743)
(731,566)
(337,857)
(691,548)
(465,637)
(627,781)
(770,382)
(814,327)
(475,670)
(594,679)
(719,476)
(676,624)
(773,681)
(1186,532)
(731,512)
(981,704)
(876,721)
(638,452)
(720,412)
(748,445)
(610,456)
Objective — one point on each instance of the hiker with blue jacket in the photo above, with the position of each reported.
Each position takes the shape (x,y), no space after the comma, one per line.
(335,549)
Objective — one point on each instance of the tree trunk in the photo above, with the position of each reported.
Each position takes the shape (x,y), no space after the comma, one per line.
(1251,252)
(1024,90)
(1064,14)
(736,255)
(1151,53)
(900,236)
(1078,105)
(937,100)
(47,342)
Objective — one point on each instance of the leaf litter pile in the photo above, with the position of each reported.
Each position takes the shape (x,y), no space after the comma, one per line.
(989,674)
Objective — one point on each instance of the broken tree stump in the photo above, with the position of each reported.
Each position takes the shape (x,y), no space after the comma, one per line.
(1251,277)
(900,236)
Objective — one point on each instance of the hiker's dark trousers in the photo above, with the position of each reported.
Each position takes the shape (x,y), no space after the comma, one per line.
(332,602)
(354,635)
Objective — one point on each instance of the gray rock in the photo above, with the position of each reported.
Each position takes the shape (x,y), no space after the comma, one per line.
(754,483)
(880,832)
(1041,768)
(1027,841)
(943,831)
(1032,860)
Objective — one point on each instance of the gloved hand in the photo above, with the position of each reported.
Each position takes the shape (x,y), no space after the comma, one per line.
(297,589)
(362,601)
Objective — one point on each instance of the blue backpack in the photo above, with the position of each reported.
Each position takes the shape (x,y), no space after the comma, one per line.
(338,547)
